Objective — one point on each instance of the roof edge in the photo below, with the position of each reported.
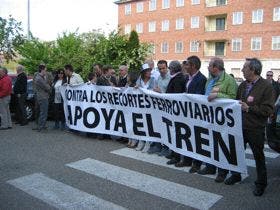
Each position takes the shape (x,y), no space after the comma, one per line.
(123,1)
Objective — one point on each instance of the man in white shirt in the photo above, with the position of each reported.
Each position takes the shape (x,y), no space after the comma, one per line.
(72,77)
(155,72)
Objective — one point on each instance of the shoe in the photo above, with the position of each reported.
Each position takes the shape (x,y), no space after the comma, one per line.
(164,152)
(9,127)
(172,161)
(258,191)
(183,163)
(23,124)
(194,169)
(154,150)
(233,179)
(220,178)
(169,156)
(206,170)
(1,128)
(140,145)
(147,146)
(132,146)
(37,128)
(129,143)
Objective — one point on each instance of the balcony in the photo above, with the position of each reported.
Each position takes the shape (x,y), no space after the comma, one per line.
(215,3)
(216,23)
(215,48)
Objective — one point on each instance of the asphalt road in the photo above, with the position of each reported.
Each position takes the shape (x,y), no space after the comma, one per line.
(61,170)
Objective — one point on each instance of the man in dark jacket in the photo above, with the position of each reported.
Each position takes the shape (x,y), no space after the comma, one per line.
(177,84)
(257,101)
(106,79)
(122,76)
(275,85)
(20,91)
(195,84)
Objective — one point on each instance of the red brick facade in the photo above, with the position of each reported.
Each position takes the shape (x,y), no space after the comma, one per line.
(245,31)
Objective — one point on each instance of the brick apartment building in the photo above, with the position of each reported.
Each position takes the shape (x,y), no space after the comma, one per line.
(231,29)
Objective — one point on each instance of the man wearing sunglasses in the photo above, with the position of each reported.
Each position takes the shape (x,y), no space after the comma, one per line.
(276,86)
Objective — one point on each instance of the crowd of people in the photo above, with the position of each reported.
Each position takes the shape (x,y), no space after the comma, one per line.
(257,98)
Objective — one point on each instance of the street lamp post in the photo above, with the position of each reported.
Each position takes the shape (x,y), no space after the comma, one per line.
(28,19)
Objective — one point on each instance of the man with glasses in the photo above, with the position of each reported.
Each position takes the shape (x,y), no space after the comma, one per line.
(219,85)
(269,77)
(257,105)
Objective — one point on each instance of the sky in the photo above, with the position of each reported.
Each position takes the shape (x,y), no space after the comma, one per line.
(49,18)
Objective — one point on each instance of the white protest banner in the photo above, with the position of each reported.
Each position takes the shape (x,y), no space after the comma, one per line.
(188,124)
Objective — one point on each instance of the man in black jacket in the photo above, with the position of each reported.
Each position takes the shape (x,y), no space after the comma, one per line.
(122,76)
(275,85)
(20,91)
(177,84)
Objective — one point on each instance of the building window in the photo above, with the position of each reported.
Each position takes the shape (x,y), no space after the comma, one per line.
(195,22)
(164,47)
(127,29)
(236,44)
(237,18)
(139,7)
(139,28)
(194,2)
(152,5)
(127,9)
(219,48)
(194,45)
(180,3)
(180,24)
(276,43)
(220,24)
(179,47)
(165,4)
(221,2)
(257,16)
(152,26)
(256,43)
(276,14)
(165,25)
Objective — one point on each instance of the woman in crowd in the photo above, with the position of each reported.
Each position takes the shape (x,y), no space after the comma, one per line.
(131,82)
(145,81)
(59,117)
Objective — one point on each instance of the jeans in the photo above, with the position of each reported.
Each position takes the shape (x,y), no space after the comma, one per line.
(43,113)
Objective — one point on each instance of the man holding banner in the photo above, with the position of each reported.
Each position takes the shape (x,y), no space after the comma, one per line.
(219,85)
(186,123)
(257,100)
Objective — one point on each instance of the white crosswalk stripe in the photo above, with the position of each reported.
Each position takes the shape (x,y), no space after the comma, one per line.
(156,160)
(60,195)
(185,195)
(63,196)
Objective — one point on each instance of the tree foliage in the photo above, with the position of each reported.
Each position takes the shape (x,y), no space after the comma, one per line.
(10,37)
(83,50)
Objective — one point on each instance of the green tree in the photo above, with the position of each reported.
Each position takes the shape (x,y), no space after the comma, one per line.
(34,52)
(69,49)
(133,47)
(83,50)
(10,37)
